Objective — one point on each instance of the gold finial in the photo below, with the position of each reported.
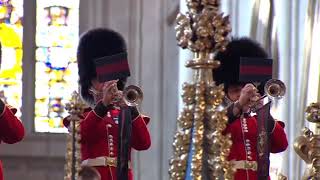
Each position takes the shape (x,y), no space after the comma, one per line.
(76,105)
(313,112)
(75,108)
(203,28)
(307,146)
(204,31)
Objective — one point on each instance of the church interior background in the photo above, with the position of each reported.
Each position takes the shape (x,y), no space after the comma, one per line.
(39,71)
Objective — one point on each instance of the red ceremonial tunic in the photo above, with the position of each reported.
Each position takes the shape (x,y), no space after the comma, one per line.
(11,129)
(244,143)
(99,139)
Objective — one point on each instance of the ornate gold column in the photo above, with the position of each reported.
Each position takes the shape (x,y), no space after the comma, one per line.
(307,146)
(73,155)
(198,141)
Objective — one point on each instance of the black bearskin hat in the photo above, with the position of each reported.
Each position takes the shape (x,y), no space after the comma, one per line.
(228,72)
(93,44)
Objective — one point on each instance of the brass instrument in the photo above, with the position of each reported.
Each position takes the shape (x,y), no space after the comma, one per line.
(274,89)
(131,95)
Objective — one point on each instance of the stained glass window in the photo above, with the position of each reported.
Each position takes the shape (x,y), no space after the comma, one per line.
(11,13)
(56,69)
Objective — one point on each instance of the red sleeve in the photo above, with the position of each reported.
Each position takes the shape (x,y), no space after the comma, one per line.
(66,120)
(279,141)
(11,128)
(92,128)
(140,134)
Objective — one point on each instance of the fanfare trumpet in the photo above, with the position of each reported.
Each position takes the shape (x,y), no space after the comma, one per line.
(274,89)
(132,95)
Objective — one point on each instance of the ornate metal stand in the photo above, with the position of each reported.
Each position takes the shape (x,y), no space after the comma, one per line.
(307,146)
(200,148)
(73,155)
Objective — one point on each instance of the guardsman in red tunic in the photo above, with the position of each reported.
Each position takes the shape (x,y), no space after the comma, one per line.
(99,127)
(243,126)
(11,128)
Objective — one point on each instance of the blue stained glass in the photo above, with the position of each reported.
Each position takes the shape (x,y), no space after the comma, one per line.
(56,68)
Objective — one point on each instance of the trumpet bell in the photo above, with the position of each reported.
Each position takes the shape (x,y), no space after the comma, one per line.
(132,95)
(275,88)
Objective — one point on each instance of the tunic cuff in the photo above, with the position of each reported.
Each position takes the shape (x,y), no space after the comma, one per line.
(101,110)
(230,115)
